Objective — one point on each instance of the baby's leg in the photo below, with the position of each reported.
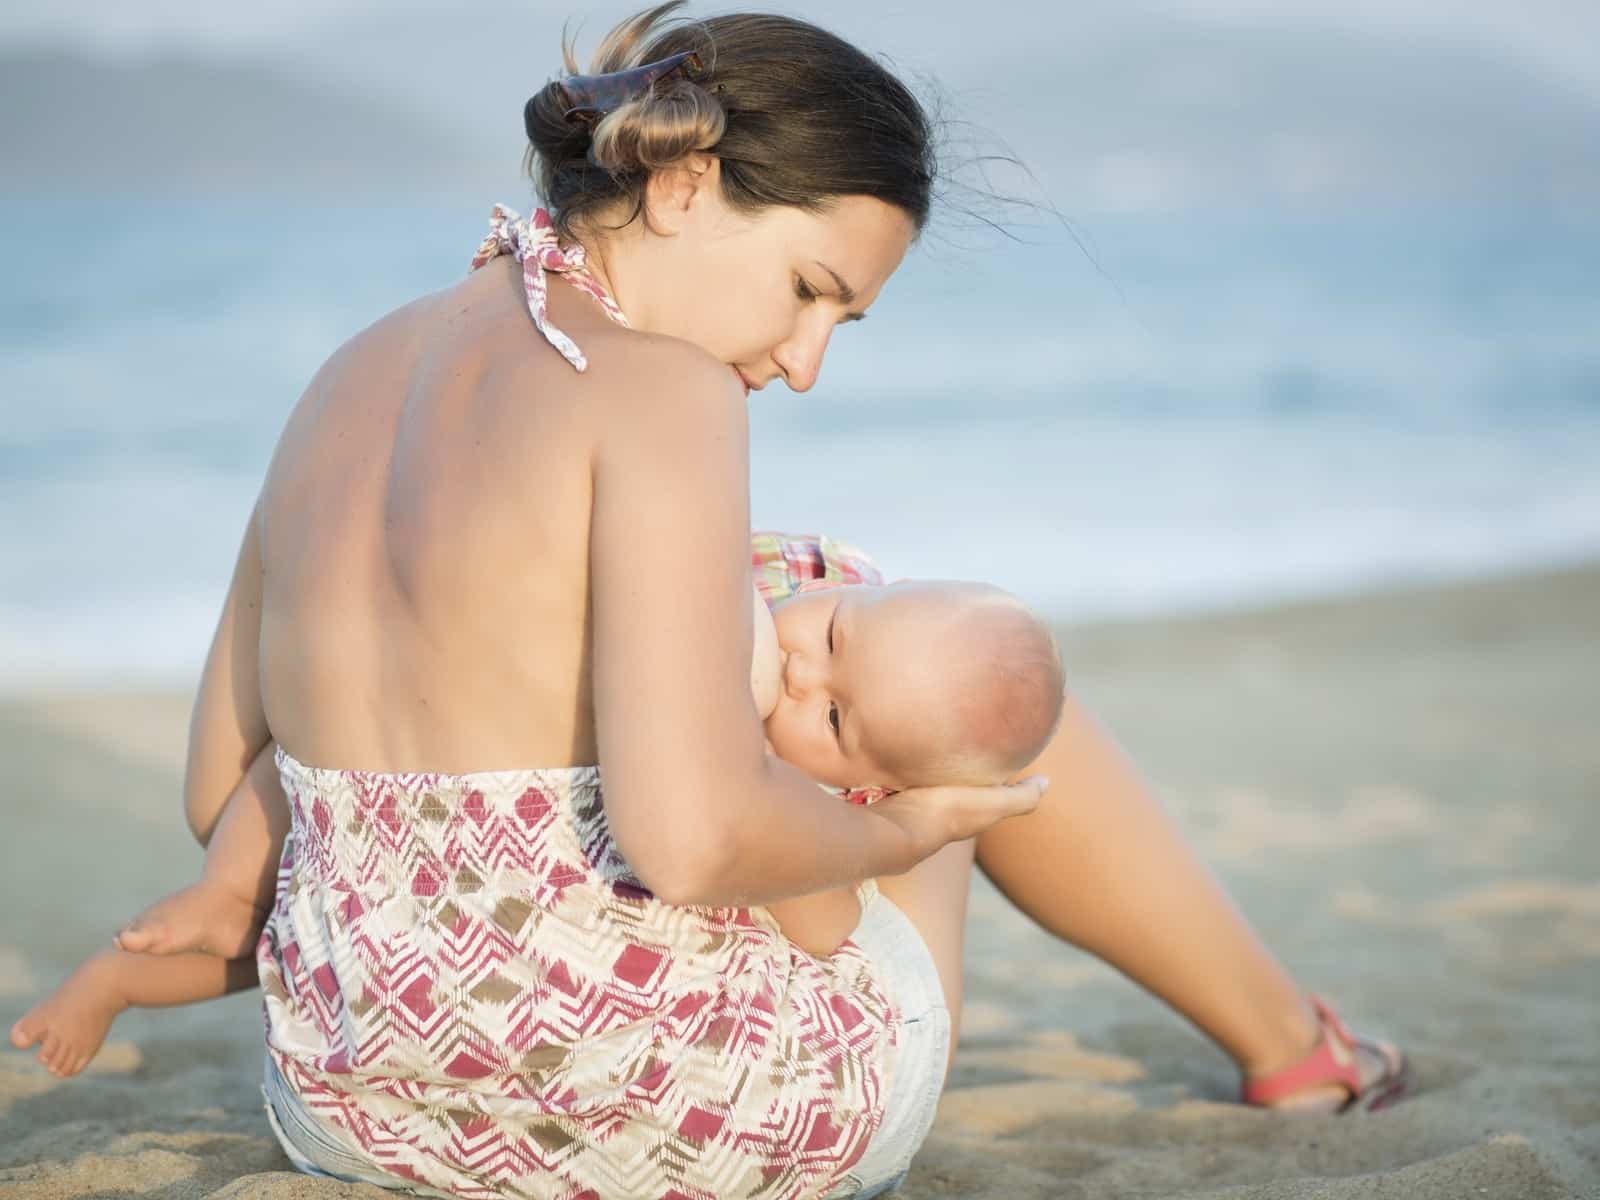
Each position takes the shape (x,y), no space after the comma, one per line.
(72,1021)
(224,912)
(818,923)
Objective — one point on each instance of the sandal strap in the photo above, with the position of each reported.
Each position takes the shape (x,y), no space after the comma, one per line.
(1332,1060)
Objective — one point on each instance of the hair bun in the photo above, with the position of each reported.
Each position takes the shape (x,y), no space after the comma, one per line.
(544,119)
(657,129)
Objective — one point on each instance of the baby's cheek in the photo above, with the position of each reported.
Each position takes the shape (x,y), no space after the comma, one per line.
(787,736)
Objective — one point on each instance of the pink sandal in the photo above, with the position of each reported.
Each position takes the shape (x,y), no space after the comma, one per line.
(1333,1060)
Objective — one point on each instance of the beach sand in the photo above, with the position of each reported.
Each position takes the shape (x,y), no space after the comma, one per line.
(1402,790)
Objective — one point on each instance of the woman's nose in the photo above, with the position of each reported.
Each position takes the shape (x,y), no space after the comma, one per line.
(800,358)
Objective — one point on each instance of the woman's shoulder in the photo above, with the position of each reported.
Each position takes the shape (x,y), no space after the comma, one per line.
(652,378)
(670,363)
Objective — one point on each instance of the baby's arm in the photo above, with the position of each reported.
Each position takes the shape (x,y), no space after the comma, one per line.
(224,912)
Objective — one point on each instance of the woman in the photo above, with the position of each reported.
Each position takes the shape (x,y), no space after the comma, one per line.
(497,557)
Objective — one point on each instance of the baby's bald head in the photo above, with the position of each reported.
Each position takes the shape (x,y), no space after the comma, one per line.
(990,686)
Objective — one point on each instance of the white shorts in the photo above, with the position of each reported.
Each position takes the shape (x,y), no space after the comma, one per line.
(906,965)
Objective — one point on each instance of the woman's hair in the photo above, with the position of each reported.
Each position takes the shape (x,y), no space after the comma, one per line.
(796,115)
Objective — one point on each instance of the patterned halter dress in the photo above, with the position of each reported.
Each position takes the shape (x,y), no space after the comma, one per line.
(466,985)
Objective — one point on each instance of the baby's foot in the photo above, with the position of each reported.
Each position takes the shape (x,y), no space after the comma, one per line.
(72,1021)
(206,917)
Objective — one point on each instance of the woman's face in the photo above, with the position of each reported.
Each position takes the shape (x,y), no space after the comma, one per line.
(762,293)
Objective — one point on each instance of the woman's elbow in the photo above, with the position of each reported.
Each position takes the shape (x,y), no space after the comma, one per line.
(692,871)
(679,859)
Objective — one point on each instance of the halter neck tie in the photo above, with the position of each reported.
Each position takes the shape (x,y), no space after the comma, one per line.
(534,243)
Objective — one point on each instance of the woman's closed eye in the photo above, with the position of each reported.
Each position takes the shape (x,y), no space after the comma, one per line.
(807,294)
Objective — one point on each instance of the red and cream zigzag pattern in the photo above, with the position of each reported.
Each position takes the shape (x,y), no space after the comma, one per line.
(464,980)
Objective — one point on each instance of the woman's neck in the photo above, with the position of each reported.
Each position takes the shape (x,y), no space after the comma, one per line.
(618,260)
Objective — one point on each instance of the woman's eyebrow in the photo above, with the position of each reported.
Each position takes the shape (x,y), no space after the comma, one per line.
(846,292)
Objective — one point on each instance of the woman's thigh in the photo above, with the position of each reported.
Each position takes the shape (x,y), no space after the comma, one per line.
(933,896)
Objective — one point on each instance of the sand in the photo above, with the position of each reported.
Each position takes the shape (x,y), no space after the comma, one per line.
(1402,790)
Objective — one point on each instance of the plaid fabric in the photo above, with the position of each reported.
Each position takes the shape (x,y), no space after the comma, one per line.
(535,245)
(784,563)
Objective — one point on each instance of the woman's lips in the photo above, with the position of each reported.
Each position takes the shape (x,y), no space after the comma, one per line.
(742,379)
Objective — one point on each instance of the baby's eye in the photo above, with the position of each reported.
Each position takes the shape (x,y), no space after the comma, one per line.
(803,289)
(833,719)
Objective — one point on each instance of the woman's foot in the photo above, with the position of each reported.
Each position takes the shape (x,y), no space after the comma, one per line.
(207,918)
(1341,1071)
(69,1025)
(1380,1065)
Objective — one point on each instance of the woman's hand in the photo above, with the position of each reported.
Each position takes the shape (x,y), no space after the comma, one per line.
(930,818)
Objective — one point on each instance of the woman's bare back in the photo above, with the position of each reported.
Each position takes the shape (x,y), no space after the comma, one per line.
(425,541)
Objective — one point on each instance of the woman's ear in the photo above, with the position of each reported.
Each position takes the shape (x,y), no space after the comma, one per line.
(675,194)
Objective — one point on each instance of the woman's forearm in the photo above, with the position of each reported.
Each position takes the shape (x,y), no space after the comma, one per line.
(790,838)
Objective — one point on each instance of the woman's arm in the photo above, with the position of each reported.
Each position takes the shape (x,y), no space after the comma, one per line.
(701,813)
(228,726)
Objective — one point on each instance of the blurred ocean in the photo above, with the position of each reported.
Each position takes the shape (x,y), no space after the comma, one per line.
(1231,409)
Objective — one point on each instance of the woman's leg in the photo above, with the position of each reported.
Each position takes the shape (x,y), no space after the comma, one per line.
(1100,864)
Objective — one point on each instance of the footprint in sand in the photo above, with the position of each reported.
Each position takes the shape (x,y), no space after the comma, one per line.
(1247,825)
(1492,919)
(1053,1055)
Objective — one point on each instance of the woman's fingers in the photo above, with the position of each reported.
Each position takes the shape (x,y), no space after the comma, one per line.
(1026,794)
(937,816)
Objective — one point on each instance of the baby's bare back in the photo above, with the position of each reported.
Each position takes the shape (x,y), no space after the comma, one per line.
(425,542)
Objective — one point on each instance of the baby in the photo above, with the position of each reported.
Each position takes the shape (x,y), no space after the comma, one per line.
(911,684)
